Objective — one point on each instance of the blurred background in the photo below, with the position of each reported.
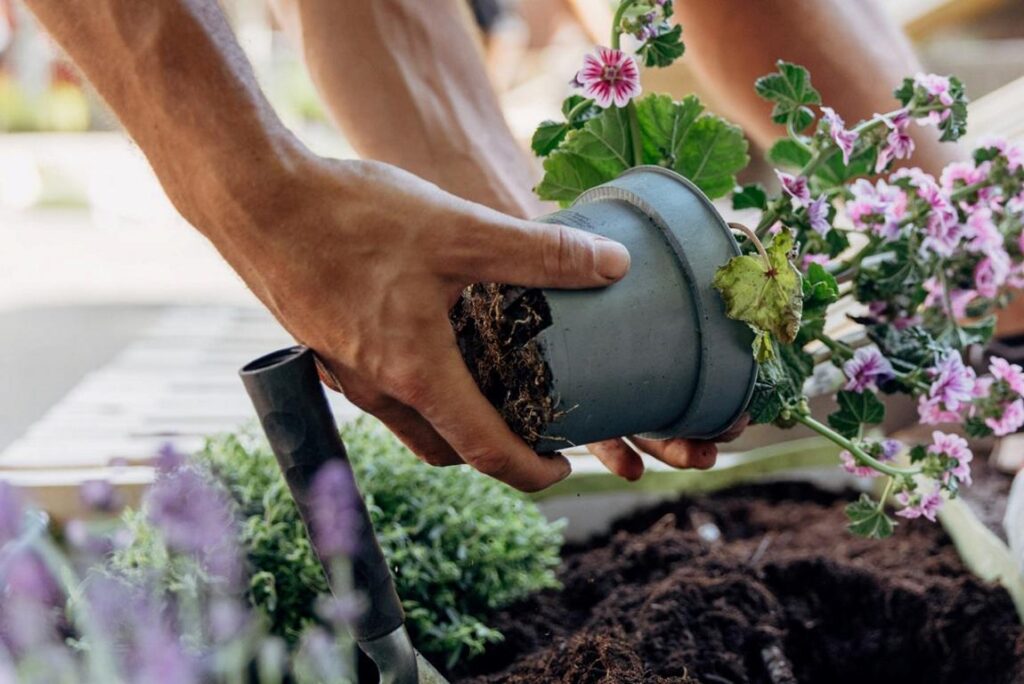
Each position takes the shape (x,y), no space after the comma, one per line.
(122,328)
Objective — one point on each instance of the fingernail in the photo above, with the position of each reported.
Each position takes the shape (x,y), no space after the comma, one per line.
(612,258)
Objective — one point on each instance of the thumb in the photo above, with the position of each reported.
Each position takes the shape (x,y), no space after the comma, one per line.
(534,254)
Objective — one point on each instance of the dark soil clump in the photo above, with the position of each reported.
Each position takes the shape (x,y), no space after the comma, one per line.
(771,590)
(496,327)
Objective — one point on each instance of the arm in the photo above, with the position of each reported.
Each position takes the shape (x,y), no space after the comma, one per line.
(348,256)
(405,81)
(425,104)
(855,54)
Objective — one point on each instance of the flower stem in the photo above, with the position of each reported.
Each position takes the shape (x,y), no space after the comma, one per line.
(858,453)
(581,106)
(889,483)
(634,134)
(617,21)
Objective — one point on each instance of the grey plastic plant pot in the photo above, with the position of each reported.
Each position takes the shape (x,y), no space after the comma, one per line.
(653,354)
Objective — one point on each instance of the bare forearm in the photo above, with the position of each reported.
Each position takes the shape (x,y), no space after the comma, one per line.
(854,52)
(179,83)
(405,81)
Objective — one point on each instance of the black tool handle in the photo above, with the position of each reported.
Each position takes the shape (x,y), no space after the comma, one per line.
(290,402)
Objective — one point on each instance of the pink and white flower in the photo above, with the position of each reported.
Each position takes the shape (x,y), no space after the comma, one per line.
(844,139)
(956,448)
(953,382)
(610,77)
(810,258)
(817,216)
(866,369)
(981,231)
(991,273)
(965,173)
(920,505)
(898,144)
(1011,420)
(877,207)
(932,412)
(850,465)
(1010,373)
(1014,154)
(938,88)
(796,187)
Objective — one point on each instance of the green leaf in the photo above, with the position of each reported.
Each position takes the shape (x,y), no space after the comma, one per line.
(788,153)
(856,409)
(706,149)
(791,90)
(764,350)
(589,156)
(868,520)
(548,136)
(582,116)
(767,296)
(820,289)
(750,196)
(662,50)
(980,332)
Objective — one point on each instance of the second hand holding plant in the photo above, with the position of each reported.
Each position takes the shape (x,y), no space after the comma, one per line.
(923,255)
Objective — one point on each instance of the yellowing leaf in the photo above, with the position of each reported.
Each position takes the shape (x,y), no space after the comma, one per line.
(767,296)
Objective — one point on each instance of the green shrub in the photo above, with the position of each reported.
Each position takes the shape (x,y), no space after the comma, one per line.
(459,544)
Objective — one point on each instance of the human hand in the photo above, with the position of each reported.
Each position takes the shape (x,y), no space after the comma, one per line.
(621,459)
(362,262)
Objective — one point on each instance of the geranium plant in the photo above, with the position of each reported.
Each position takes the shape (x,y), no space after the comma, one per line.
(928,260)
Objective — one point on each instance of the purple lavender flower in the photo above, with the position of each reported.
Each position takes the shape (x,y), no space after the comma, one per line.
(158,655)
(196,518)
(12,512)
(844,139)
(99,495)
(796,187)
(917,505)
(168,458)
(890,449)
(953,382)
(866,369)
(333,510)
(27,576)
(817,216)
(1011,420)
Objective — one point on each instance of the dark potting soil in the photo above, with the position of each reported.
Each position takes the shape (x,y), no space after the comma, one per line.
(783,595)
(496,327)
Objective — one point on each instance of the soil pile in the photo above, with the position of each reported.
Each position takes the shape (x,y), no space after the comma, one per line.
(760,584)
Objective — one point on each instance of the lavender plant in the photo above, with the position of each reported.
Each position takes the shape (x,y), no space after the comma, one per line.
(68,617)
(928,261)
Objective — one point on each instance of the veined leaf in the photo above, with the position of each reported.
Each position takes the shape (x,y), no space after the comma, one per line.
(767,296)
(705,148)
(751,196)
(587,157)
(662,50)
(548,136)
(856,409)
(791,90)
(867,520)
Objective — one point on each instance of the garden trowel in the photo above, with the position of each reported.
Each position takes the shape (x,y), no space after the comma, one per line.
(293,410)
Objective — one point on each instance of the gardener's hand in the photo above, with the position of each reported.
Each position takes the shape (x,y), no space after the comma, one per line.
(364,262)
(625,462)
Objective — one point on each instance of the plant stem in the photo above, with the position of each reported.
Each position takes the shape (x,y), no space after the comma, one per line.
(580,107)
(858,453)
(889,483)
(634,122)
(634,134)
(752,236)
(617,21)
